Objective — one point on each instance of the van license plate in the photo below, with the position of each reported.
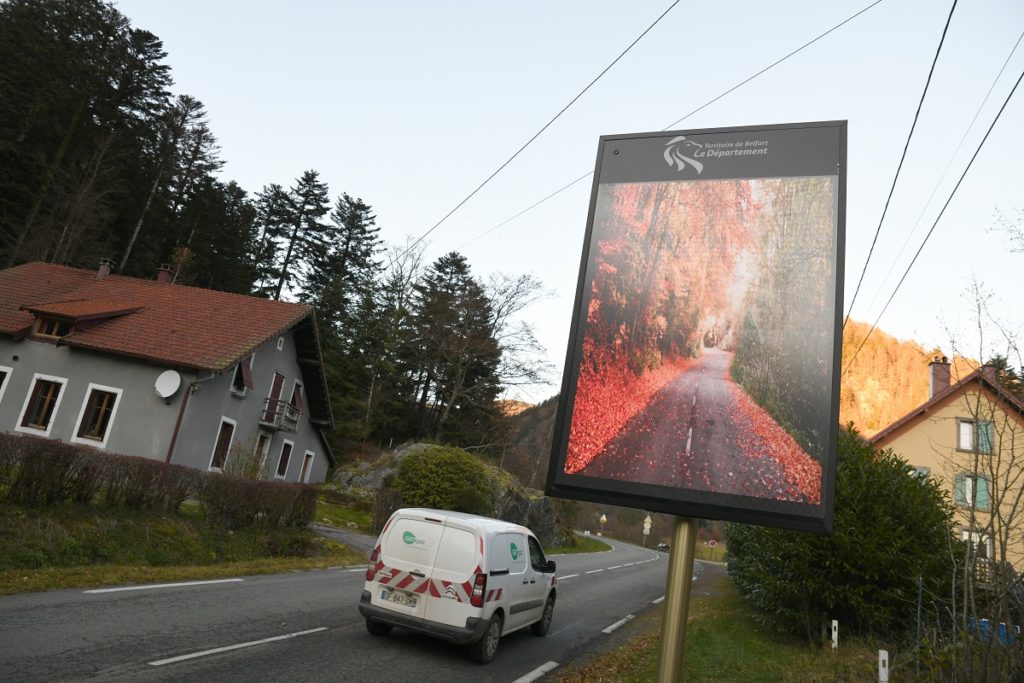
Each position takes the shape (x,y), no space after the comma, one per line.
(398,598)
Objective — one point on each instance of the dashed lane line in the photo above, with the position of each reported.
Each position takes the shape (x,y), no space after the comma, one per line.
(149,586)
(237,646)
(570,576)
(618,624)
(594,571)
(536,673)
(658,601)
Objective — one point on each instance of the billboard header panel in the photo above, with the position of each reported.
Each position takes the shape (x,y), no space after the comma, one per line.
(702,375)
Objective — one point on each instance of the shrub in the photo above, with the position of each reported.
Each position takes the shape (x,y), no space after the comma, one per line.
(237,502)
(890,528)
(143,484)
(445,478)
(46,472)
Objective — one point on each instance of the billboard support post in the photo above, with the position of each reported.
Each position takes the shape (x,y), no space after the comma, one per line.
(677,601)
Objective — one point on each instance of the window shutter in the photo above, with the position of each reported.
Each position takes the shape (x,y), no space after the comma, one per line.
(985,437)
(960,490)
(297,397)
(247,372)
(981,499)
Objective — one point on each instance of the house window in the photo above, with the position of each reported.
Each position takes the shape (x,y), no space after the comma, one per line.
(307,467)
(984,547)
(41,404)
(52,327)
(282,463)
(97,414)
(971,490)
(280,343)
(971,432)
(242,379)
(5,372)
(296,399)
(223,444)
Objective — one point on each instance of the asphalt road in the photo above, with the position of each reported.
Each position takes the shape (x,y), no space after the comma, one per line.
(686,437)
(302,626)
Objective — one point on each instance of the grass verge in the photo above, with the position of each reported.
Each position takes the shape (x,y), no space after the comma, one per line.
(343,516)
(723,643)
(584,544)
(76,546)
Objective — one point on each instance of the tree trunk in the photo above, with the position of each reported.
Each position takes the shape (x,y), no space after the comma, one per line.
(142,216)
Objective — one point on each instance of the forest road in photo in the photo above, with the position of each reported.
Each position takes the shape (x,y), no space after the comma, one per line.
(687,437)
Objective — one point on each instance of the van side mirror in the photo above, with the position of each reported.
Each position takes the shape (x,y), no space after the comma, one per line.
(550,567)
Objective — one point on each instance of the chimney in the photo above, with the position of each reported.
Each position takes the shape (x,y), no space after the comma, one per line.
(939,375)
(165,274)
(105,266)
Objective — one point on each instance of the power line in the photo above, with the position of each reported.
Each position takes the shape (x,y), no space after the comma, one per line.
(900,167)
(949,164)
(678,121)
(937,219)
(538,133)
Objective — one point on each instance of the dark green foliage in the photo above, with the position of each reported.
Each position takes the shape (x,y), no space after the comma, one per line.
(446,479)
(890,528)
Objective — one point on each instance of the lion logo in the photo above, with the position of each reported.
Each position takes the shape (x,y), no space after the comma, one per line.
(675,156)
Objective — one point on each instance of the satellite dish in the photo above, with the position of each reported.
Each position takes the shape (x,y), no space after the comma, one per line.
(167,384)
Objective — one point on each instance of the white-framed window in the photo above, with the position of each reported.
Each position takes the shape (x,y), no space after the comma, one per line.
(241,380)
(984,547)
(41,404)
(282,462)
(5,376)
(280,343)
(971,490)
(96,418)
(222,446)
(295,399)
(307,467)
(263,440)
(971,432)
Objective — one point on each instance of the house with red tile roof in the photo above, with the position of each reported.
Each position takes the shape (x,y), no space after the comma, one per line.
(150,368)
(970,437)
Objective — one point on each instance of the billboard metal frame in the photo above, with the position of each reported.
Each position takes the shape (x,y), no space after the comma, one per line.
(692,502)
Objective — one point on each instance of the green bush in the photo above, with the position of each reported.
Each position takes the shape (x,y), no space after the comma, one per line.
(445,478)
(890,528)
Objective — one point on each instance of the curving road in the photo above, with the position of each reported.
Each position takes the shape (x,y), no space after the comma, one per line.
(686,437)
(303,626)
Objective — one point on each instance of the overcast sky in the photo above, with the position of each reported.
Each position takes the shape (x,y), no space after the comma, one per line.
(411,105)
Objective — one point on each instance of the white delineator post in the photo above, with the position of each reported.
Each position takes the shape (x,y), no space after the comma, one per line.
(835,636)
(883,666)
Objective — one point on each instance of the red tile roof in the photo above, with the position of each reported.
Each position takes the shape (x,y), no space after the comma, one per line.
(173,325)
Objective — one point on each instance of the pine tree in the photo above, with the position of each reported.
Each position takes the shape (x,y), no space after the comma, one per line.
(307,241)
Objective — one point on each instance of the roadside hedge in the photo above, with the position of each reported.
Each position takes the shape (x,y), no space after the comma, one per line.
(41,472)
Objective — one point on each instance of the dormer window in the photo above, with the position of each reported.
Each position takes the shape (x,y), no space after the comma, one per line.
(52,327)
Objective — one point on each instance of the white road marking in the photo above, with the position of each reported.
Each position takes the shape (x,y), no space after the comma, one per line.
(594,571)
(570,576)
(356,570)
(161,585)
(228,648)
(658,601)
(618,624)
(536,673)
(629,564)
(618,566)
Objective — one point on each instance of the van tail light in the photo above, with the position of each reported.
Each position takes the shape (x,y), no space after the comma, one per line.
(479,590)
(371,569)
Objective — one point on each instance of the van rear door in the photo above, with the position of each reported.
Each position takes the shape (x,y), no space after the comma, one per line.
(455,567)
(408,551)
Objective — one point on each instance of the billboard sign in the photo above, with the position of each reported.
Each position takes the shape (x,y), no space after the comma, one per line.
(702,374)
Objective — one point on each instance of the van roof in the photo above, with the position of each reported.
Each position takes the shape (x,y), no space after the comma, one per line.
(488,524)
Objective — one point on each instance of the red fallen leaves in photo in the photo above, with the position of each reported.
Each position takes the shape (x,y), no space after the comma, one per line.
(761,436)
(606,400)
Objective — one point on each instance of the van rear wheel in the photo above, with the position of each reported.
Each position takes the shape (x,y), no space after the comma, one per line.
(540,628)
(378,628)
(484,649)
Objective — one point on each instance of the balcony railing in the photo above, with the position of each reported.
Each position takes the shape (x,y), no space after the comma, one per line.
(280,415)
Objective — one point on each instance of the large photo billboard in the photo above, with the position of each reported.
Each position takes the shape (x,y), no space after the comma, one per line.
(702,372)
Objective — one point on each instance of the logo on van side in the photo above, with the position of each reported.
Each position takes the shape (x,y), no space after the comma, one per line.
(515,551)
(410,539)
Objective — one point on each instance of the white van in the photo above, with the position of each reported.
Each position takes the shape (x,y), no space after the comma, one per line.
(460,577)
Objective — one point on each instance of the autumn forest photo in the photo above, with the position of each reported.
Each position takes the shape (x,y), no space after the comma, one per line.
(707,337)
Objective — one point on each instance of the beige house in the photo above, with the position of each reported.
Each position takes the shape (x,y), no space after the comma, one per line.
(970,436)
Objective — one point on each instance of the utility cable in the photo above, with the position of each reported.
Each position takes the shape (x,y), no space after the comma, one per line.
(906,146)
(678,121)
(538,133)
(945,171)
(937,219)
